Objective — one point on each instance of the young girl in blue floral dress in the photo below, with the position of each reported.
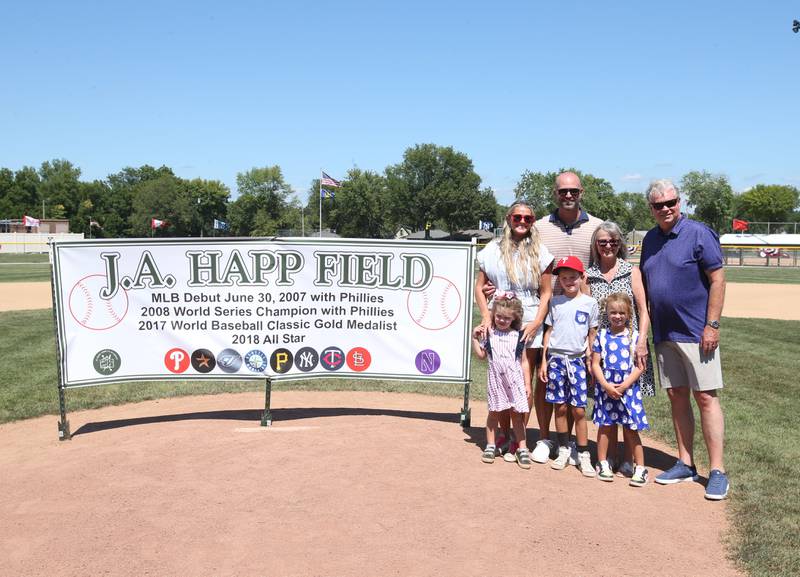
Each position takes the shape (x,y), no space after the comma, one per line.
(508,385)
(618,397)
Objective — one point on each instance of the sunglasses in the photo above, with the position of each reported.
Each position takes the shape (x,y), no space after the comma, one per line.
(668,203)
(563,192)
(606,242)
(526,218)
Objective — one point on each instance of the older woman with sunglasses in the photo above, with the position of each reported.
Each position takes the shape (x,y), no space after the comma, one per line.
(518,263)
(610,273)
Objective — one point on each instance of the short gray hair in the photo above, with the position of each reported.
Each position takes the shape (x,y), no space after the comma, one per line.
(661,187)
(613,229)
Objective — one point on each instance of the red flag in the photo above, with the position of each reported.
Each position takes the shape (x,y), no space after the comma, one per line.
(740,225)
(156,223)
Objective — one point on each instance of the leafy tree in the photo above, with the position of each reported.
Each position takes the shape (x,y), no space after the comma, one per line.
(711,196)
(358,209)
(536,188)
(210,201)
(165,198)
(261,207)
(60,188)
(118,204)
(638,215)
(436,184)
(768,203)
(19,193)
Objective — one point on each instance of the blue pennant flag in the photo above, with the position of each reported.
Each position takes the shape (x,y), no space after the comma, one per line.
(485,225)
(219,225)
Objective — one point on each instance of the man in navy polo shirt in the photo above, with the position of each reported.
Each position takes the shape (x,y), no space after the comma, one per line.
(682,270)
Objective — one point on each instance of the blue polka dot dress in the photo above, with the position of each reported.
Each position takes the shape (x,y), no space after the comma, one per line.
(627,411)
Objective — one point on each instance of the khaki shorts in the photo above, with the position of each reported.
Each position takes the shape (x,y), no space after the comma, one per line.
(684,365)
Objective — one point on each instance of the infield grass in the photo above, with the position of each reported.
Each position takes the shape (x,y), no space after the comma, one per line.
(761,359)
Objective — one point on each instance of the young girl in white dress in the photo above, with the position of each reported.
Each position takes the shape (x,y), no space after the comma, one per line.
(508,385)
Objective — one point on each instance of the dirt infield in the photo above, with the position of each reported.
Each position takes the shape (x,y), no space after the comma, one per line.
(343,484)
(766,301)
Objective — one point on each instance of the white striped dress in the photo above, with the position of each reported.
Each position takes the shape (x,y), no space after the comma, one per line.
(505,388)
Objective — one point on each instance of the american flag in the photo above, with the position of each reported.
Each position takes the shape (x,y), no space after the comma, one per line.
(327,180)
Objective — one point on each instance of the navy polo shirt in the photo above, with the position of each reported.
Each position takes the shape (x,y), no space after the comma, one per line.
(674,267)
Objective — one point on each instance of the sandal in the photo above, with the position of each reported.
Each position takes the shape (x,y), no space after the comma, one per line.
(488,455)
(524,458)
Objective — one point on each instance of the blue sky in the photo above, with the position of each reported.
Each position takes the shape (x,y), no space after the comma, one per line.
(628,91)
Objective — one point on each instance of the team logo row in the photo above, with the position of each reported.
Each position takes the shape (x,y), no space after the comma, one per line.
(177,360)
(280,361)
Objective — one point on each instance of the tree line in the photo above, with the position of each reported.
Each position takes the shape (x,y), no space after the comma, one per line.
(433,186)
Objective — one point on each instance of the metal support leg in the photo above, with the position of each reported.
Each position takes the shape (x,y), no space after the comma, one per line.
(266,417)
(466,412)
(63,425)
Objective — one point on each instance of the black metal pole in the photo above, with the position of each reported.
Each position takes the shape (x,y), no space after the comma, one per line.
(64,433)
(266,417)
(466,412)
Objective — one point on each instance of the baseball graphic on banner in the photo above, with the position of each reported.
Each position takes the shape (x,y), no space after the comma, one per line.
(93,312)
(437,307)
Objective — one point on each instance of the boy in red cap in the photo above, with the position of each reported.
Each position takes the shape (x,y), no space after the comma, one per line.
(571,326)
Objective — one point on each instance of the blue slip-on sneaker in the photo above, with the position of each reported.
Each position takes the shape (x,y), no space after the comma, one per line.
(717,486)
(678,473)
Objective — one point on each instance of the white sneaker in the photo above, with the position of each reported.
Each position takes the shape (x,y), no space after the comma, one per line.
(585,464)
(541,452)
(561,461)
(605,472)
(573,455)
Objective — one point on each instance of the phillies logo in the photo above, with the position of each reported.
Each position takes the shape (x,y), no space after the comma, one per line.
(176,360)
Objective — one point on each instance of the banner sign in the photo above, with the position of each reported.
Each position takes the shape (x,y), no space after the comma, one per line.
(156,309)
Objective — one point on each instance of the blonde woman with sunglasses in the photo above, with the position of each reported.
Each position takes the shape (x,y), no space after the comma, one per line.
(518,262)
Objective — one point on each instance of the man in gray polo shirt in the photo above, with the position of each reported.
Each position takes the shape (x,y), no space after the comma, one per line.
(684,280)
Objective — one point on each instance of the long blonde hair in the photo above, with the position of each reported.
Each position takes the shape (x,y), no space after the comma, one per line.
(624,300)
(526,248)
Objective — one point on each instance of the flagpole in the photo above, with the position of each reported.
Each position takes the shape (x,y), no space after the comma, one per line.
(320,203)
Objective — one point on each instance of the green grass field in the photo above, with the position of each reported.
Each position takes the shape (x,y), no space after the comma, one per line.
(24,267)
(762,274)
(760,357)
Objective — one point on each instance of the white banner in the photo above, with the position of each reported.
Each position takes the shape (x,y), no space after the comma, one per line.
(154,309)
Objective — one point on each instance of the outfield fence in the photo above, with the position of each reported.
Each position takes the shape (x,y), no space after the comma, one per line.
(15,242)
(770,256)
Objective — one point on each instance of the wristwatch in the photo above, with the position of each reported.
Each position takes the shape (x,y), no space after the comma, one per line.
(713,324)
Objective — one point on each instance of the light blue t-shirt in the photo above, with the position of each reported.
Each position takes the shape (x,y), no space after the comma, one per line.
(571,319)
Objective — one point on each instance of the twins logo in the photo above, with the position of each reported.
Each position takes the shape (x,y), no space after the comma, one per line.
(332,359)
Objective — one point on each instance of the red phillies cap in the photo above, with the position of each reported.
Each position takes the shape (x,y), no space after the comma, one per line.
(571,261)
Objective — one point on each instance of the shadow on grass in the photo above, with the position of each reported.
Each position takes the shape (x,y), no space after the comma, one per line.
(655,458)
(278,416)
